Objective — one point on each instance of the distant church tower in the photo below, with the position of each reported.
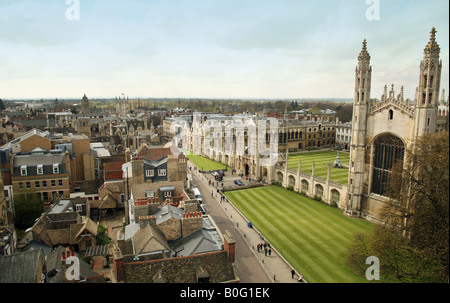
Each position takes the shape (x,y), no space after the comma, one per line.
(363,78)
(427,98)
(85,108)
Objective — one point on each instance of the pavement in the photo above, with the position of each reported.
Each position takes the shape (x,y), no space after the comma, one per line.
(275,267)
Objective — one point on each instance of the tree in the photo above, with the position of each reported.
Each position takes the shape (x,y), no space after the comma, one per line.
(28,207)
(102,237)
(413,241)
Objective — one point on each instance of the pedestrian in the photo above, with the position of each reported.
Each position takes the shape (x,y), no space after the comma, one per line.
(270,251)
(300,279)
(292,273)
(265,251)
(211,193)
(209,182)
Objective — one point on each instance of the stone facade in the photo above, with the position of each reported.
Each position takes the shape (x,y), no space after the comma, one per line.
(383,130)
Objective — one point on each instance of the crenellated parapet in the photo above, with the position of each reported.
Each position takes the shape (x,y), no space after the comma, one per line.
(389,99)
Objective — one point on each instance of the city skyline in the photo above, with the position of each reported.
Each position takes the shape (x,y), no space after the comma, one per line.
(214,49)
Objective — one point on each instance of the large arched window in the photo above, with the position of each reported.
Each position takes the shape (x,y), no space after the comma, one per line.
(389,149)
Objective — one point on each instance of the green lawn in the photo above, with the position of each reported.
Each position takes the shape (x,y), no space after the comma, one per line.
(321,158)
(204,164)
(311,236)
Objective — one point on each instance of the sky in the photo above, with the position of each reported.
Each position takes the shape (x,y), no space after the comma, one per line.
(231,49)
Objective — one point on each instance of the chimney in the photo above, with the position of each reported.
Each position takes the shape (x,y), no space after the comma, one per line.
(118,264)
(67,160)
(11,163)
(229,246)
(127,155)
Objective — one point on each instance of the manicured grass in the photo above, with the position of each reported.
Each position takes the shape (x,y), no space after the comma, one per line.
(204,163)
(311,236)
(321,158)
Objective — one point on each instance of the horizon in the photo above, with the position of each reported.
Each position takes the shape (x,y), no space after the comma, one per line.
(246,50)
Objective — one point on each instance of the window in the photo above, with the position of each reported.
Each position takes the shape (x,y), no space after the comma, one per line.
(60,193)
(20,185)
(161,172)
(79,207)
(37,184)
(55,168)
(149,173)
(168,194)
(389,149)
(28,185)
(122,198)
(53,183)
(60,183)
(44,183)
(150,194)
(45,196)
(23,170)
(391,114)
(40,169)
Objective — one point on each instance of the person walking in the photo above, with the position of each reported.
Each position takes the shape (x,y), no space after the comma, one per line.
(293,273)
(300,279)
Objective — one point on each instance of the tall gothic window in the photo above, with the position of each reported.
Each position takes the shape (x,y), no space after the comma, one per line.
(389,149)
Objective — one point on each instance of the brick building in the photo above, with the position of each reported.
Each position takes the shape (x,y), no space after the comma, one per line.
(46,173)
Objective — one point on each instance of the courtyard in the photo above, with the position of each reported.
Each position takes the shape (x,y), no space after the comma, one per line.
(321,159)
(204,164)
(311,236)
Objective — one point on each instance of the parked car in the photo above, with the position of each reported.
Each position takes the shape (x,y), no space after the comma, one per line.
(238,182)
(202,208)
(218,175)
(198,195)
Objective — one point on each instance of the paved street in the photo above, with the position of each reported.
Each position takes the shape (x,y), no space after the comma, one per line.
(252,266)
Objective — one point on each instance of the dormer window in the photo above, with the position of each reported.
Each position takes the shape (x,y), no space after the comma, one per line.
(40,169)
(55,168)
(23,170)
(149,173)
(162,172)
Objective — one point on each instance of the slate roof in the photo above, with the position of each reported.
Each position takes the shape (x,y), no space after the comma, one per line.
(22,267)
(167,212)
(200,242)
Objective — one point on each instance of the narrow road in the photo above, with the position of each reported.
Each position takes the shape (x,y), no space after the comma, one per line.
(249,268)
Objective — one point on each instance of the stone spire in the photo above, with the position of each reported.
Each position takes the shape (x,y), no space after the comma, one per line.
(364,55)
(442,98)
(432,47)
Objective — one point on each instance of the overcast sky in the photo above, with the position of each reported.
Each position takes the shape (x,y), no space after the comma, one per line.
(213,48)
